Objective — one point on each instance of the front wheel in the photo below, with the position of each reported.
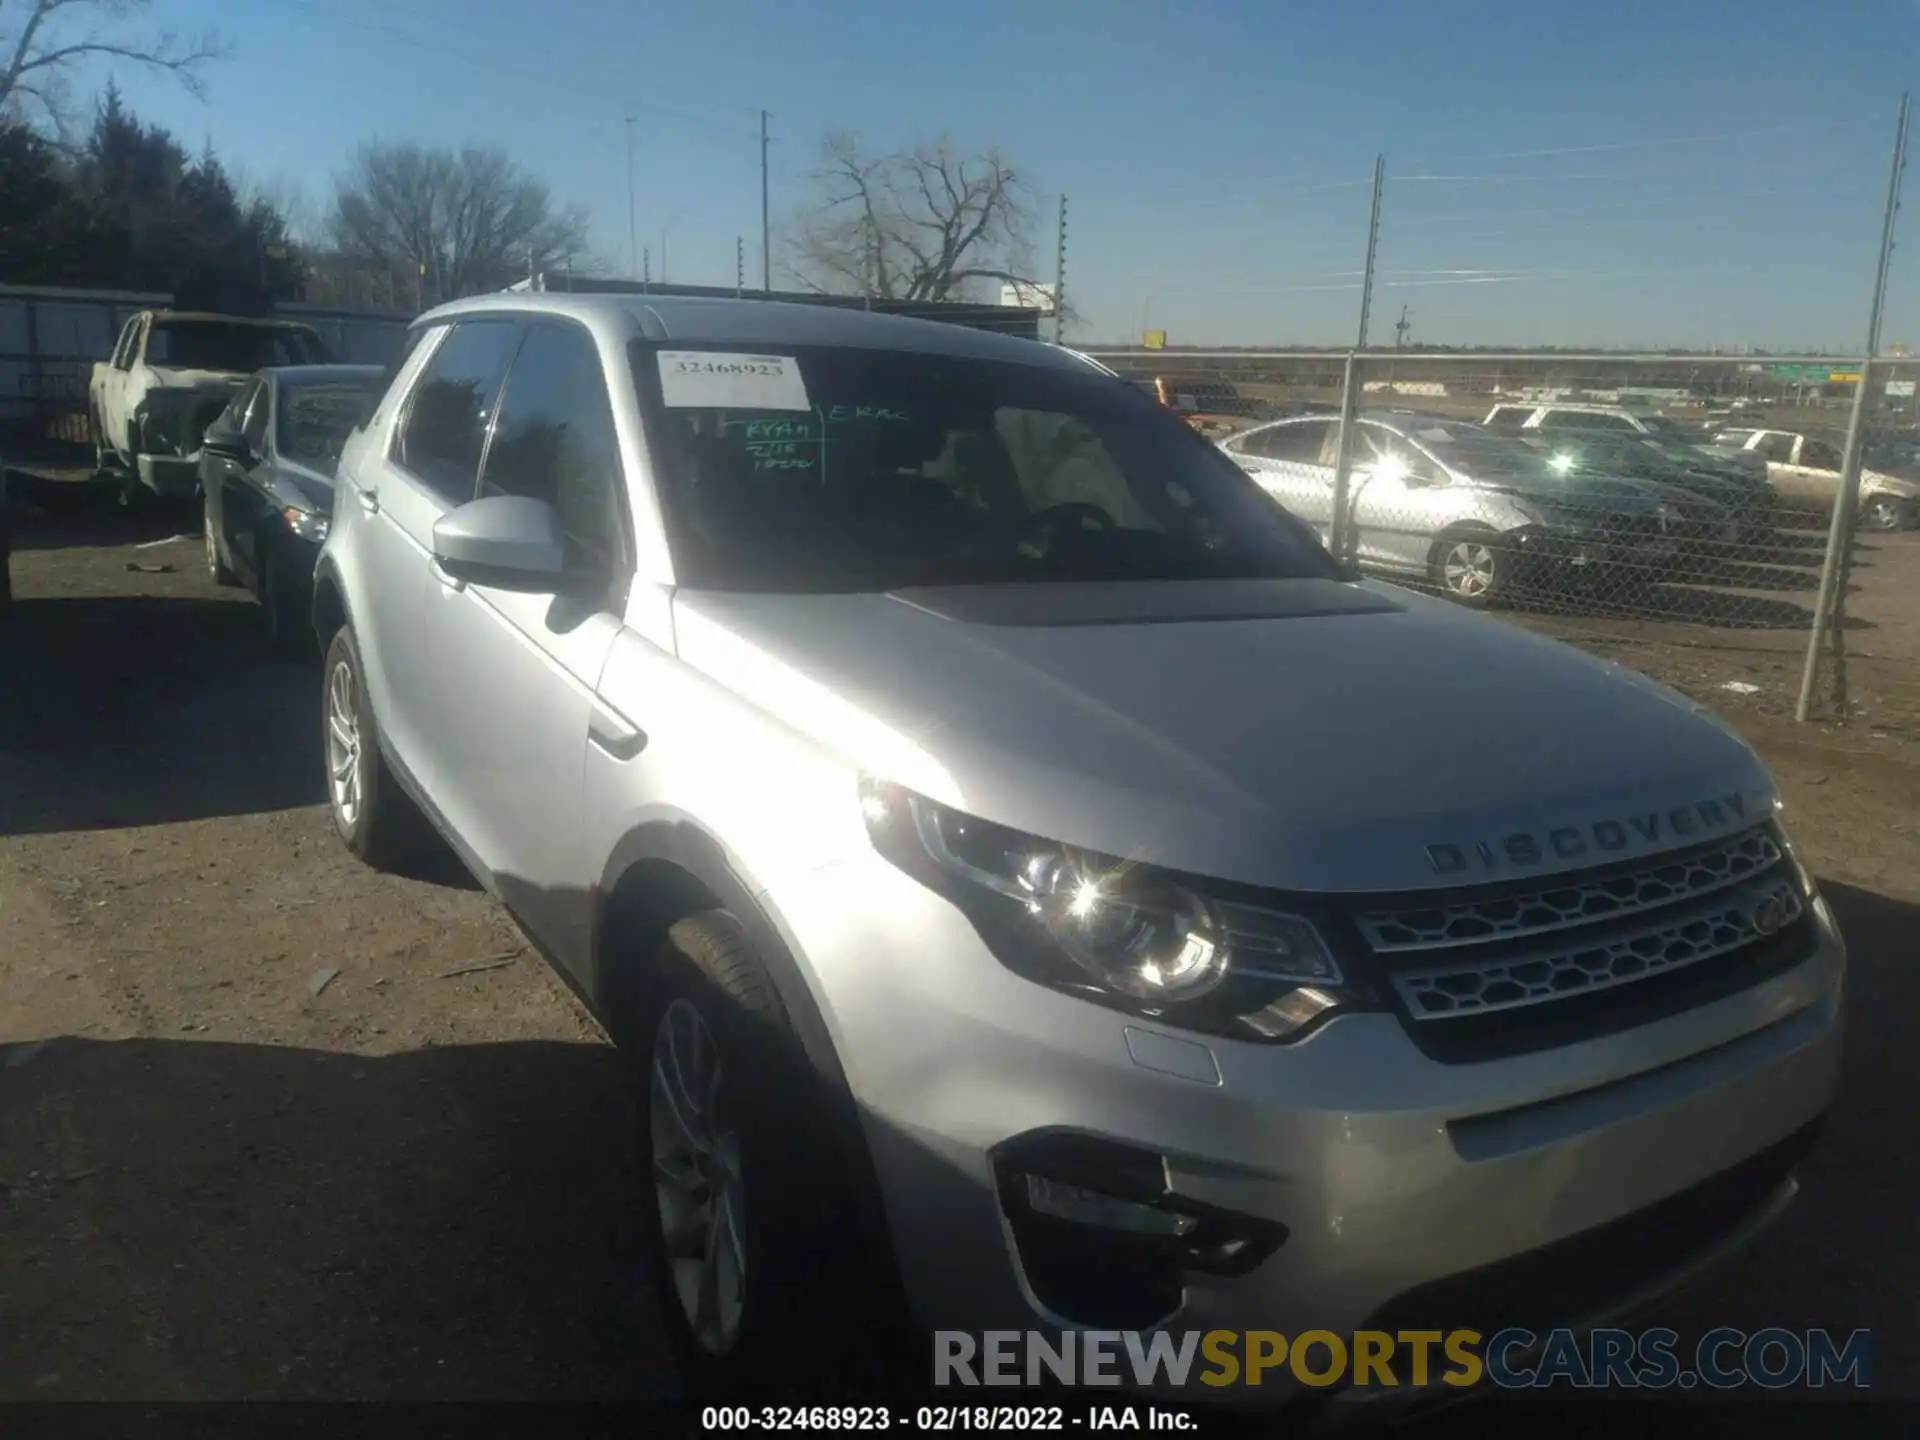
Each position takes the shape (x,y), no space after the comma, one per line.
(1471,567)
(753,1253)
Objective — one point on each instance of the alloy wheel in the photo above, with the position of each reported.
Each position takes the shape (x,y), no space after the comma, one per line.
(1468,568)
(697,1177)
(1882,512)
(343,745)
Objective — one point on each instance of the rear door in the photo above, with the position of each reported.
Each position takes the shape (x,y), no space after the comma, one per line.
(517,671)
(1286,459)
(1813,472)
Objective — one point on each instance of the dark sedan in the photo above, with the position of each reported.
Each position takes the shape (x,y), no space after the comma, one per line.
(266,471)
(1747,501)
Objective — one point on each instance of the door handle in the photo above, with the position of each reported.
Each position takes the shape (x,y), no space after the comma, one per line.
(614,733)
(369,500)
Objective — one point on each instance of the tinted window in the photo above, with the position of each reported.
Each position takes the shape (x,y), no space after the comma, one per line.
(555,441)
(316,417)
(223,345)
(446,425)
(1776,448)
(1583,420)
(234,417)
(1819,455)
(897,470)
(1298,443)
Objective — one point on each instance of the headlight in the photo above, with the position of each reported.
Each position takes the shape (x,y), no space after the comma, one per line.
(1119,933)
(307,524)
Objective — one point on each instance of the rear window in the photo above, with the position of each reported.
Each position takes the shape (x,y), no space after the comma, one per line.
(223,345)
(316,419)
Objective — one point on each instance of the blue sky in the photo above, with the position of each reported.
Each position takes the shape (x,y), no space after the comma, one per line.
(1687,172)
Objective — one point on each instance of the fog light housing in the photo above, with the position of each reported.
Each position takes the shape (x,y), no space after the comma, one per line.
(1090,1207)
(1102,1239)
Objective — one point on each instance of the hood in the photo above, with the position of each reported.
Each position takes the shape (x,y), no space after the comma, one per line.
(1881,483)
(1313,734)
(173,379)
(1601,492)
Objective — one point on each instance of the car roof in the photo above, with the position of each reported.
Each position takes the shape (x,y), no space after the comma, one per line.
(704,320)
(265,322)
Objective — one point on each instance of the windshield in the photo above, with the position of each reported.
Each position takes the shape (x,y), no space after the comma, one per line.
(826,470)
(315,420)
(1478,453)
(218,345)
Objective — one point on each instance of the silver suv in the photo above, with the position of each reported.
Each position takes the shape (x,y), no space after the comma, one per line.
(1019,858)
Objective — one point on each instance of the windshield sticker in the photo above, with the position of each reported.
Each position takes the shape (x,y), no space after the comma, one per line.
(709,380)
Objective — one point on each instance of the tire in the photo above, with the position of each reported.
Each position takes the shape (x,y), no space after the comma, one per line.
(217,569)
(1471,566)
(289,638)
(709,1009)
(372,815)
(1884,513)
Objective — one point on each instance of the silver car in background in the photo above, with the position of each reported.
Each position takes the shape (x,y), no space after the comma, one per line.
(1472,513)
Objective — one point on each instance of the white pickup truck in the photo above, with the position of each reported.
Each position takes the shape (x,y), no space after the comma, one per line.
(170,374)
(1805,471)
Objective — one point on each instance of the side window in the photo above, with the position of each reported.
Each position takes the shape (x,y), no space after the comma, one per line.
(254,427)
(1776,449)
(234,417)
(1300,444)
(554,440)
(445,428)
(130,343)
(1818,455)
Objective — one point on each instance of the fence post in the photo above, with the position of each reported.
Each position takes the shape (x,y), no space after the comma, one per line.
(1340,523)
(1833,569)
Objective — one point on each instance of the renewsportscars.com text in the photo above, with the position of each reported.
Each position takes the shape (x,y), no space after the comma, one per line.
(1514,1359)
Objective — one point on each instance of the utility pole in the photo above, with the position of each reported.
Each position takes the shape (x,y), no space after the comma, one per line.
(1833,574)
(1340,542)
(646,271)
(633,229)
(1060,274)
(1402,328)
(766,220)
(739,266)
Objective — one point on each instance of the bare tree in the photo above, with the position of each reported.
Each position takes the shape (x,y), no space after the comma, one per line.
(927,223)
(42,40)
(453,222)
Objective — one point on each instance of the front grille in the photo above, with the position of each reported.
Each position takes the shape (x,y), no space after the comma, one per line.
(1583,1277)
(1515,967)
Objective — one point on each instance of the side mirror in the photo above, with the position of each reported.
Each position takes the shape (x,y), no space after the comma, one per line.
(506,541)
(230,443)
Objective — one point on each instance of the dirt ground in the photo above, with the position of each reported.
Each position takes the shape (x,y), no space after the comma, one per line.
(275,1127)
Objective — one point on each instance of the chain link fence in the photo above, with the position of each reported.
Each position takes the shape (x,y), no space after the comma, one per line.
(1670,512)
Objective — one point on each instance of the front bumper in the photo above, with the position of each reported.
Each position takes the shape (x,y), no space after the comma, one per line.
(1391,1172)
(171,477)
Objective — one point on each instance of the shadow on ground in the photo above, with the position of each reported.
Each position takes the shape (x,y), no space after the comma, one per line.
(211,1221)
(138,710)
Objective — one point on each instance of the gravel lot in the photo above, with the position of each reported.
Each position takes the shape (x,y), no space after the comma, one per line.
(260,1139)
